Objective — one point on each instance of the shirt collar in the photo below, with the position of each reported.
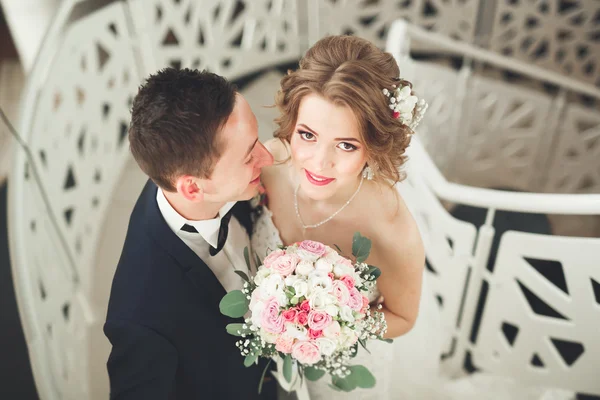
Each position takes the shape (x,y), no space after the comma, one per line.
(208,229)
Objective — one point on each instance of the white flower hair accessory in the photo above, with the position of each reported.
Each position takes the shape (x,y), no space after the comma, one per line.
(406,106)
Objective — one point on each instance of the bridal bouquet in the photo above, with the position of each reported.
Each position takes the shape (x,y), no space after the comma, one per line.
(307,305)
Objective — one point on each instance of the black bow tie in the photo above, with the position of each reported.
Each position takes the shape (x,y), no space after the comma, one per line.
(223,231)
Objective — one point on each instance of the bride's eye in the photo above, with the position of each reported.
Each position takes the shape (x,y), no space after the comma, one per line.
(347,146)
(306,136)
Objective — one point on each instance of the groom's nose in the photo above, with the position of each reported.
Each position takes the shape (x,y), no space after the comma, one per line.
(265,158)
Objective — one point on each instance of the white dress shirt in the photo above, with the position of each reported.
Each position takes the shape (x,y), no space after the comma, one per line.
(230,258)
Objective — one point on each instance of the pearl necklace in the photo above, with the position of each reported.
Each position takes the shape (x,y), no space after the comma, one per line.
(328,218)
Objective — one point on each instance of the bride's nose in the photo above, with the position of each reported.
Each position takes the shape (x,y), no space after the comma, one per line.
(323,158)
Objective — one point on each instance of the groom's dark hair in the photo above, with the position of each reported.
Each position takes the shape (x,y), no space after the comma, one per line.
(175,118)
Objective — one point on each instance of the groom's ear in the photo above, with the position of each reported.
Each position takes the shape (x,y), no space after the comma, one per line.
(190,188)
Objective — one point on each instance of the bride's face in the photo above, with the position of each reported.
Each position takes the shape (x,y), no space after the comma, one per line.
(327,151)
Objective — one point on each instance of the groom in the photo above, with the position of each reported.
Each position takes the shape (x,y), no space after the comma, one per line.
(196,139)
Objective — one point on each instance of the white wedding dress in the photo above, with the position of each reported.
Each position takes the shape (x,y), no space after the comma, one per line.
(403,369)
(408,368)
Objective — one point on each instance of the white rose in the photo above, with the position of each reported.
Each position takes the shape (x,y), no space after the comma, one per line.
(268,337)
(346,314)
(304,268)
(342,269)
(291,279)
(301,288)
(282,299)
(319,281)
(332,309)
(272,285)
(257,311)
(320,299)
(296,331)
(261,275)
(326,346)
(323,265)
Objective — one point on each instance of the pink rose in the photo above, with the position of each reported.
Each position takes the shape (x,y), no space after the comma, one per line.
(313,334)
(315,248)
(302,318)
(290,315)
(274,255)
(284,344)
(285,264)
(341,292)
(331,276)
(306,353)
(333,330)
(348,281)
(319,320)
(356,301)
(271,319)
(305,306)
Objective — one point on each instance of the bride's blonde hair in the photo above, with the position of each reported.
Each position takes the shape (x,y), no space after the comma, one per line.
(350,71)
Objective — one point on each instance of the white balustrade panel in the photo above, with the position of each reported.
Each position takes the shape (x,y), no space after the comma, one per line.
(79,126)
(575,167)
(503,134)
(540,331)
(229,37)
(558,35)
(448,245)
(371,19)
(439,86)
(75,122)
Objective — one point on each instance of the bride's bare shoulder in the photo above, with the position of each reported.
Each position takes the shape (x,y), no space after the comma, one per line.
(279,149)
(278,173)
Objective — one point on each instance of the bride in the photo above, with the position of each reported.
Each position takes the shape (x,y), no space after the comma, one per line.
(346,121)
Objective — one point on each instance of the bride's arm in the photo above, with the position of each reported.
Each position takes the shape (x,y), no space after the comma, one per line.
(401,258)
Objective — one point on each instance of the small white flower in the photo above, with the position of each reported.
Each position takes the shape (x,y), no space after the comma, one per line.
(301,288)
(346,314)
(320,299)
(268,337)
(332,309)
(326,346)
(296,331)
(304,268)
(324,265)
(272,285)
(261,275)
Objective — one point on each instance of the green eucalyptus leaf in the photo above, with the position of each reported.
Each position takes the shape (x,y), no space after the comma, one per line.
(361,247)
(233,329)
(234,304)
(313,374)
(361,377)
(250,359)
(243,275)
(247,258)
(346,384)
(287,368)
(374,271)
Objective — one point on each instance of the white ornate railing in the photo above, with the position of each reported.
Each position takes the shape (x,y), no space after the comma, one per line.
(74,118)
(539,298)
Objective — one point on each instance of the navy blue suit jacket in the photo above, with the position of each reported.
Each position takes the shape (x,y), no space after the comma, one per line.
(168,336)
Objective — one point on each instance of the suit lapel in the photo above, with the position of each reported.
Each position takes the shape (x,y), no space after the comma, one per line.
(194,268)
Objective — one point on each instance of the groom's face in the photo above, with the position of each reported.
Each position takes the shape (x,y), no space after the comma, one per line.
(236,175)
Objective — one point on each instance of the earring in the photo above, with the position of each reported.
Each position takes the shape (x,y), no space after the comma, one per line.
(368,173)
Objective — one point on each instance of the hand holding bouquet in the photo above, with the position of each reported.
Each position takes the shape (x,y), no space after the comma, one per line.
(309,306)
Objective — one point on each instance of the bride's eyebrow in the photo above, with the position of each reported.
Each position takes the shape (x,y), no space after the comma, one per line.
(307,128)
